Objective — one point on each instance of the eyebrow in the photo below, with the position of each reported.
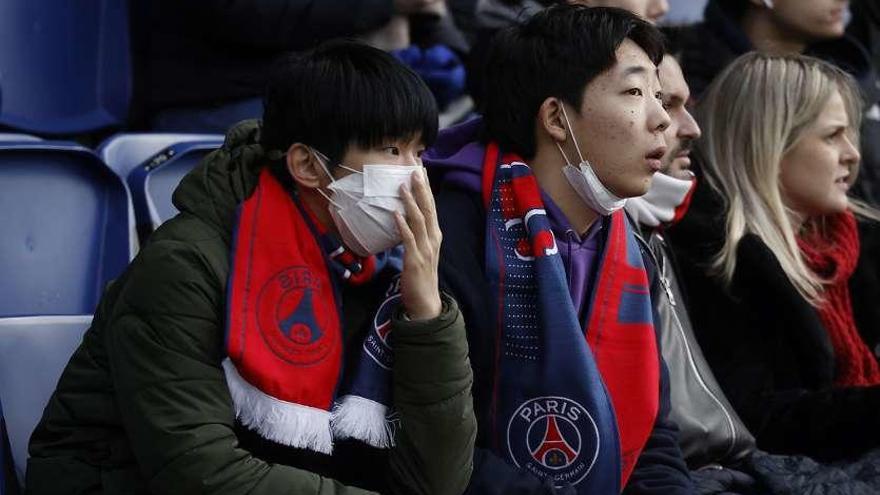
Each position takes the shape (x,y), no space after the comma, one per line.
(635,69)
(836,127)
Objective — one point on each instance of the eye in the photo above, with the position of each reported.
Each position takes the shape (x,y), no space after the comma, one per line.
(419,153)
(394,150)
(836,134)
(634,92)
(659,95)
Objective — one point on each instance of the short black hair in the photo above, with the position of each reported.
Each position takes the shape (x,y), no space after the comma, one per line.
(555,53)
(735,9)
(345,93)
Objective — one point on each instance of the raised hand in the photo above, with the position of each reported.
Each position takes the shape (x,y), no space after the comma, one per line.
(421,237)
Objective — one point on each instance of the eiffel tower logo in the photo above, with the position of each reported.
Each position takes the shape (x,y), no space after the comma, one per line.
(300,326)
(554,451)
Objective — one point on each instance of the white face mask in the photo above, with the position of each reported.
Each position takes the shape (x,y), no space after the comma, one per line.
(661,203)
(585,181)
(364,203)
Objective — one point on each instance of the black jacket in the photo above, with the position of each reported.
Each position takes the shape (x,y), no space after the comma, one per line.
(710,46)
(767,346)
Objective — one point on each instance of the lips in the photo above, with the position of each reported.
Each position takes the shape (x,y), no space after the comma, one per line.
(654,158)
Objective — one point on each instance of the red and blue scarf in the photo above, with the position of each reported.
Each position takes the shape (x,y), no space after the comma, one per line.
(284,337)
(572,404)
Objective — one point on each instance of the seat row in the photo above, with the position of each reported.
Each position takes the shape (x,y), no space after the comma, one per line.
(70,215)
(70,218)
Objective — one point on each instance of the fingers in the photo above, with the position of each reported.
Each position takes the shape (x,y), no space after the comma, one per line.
(406,235)
(414,217)
(425,200)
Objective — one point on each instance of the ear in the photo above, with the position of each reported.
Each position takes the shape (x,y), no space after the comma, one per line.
(304,167)
(551,119)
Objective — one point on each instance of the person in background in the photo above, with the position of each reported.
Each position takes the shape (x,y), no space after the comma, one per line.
(204,66)
(813,27)
(271,338)
(713,439)
(570,388)
(771,257)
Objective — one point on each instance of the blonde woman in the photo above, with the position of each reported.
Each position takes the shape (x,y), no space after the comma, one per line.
(783,293)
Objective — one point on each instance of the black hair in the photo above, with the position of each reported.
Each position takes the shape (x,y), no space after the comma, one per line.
(735,9)
(673,40)
(555,53)
(345,93)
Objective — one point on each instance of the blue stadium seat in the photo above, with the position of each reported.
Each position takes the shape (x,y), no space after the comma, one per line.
(33,352)
(124,152)
(6,137)
(65,218)
(65,66)
(153,182)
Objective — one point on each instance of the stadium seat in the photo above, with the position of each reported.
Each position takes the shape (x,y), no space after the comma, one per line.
(124,152)
(65,66)
(67,230)
(33,352)
(153,182)
(17,138)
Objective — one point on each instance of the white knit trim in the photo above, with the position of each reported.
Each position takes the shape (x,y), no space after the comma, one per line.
(362,419)
(287,423)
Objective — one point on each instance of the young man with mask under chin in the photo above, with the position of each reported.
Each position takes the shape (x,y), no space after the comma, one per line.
(272,338)
(570,388)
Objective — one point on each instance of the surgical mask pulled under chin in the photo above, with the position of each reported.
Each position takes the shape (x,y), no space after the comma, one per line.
(363,205)
(586,183)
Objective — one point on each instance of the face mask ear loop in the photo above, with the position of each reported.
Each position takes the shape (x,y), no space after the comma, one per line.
(571,131)
(567,161)
(329,200)
(343,167)
(323,161)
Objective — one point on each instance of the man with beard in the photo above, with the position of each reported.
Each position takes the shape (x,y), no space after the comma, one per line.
(712,437)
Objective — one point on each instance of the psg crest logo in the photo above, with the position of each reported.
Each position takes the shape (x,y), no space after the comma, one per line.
(553,437)
(291,315)
(377,345)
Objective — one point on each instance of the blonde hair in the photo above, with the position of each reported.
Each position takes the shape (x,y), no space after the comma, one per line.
(754,112)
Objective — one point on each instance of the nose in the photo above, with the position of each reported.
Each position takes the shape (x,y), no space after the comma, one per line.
(689,129)
(409,157)
(658,118)
(657,9)
(850,155)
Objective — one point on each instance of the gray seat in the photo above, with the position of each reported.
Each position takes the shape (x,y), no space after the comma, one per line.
(34,350)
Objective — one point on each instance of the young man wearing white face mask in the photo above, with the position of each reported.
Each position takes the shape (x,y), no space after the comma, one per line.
(570,389)
(272,338)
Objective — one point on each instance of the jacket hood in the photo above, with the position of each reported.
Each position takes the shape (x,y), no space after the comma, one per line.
(456,158)
(213,190)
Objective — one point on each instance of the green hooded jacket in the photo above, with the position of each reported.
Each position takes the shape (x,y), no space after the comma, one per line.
(143,405)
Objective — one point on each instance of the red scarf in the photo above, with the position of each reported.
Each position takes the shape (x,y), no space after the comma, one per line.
(833,257)
(284,337)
